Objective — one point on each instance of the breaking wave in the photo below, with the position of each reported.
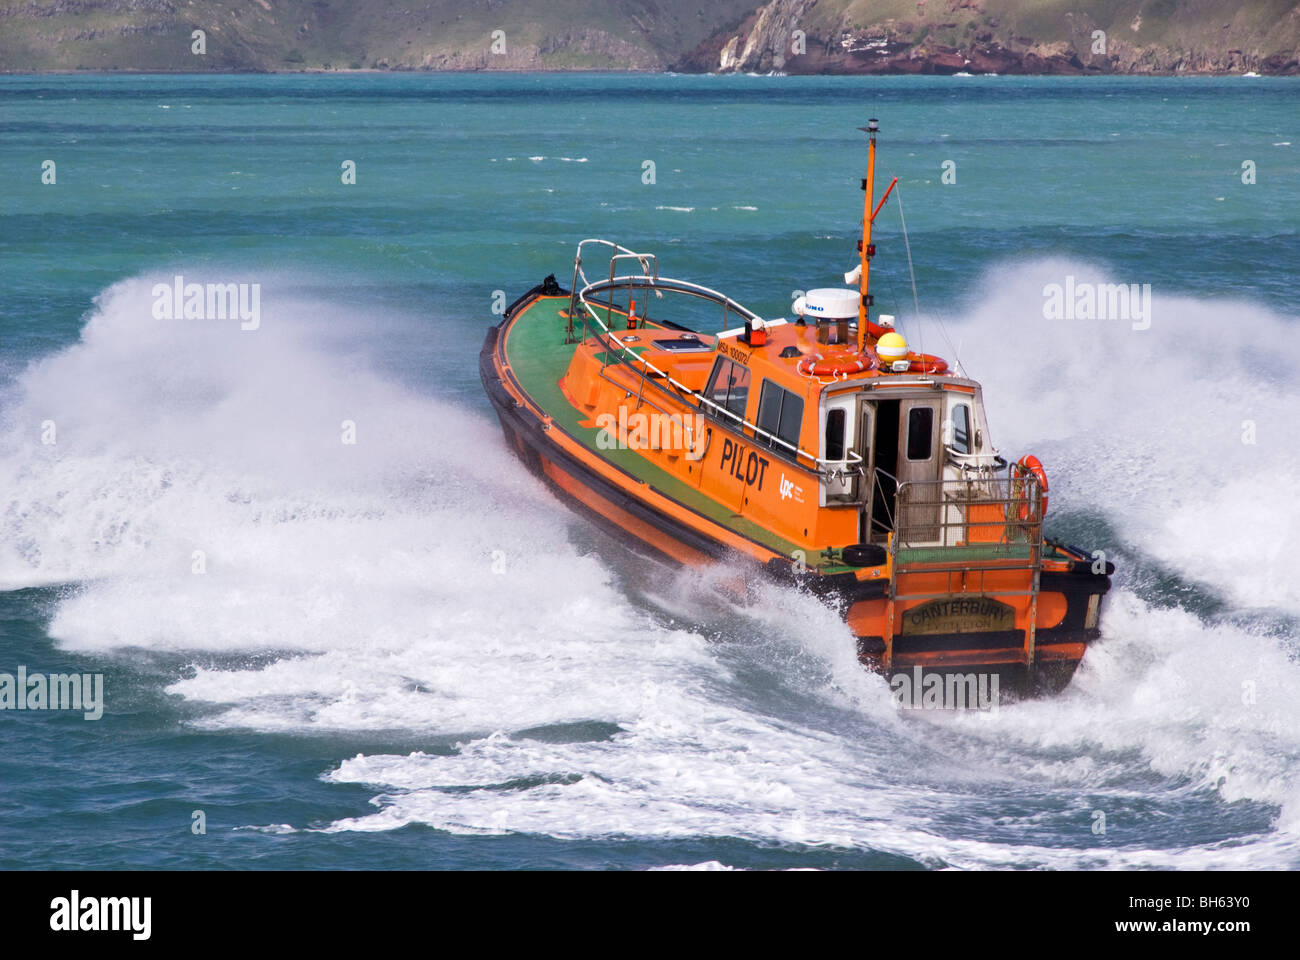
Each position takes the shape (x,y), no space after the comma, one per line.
(202,505)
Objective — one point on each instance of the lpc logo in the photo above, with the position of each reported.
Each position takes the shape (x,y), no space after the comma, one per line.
(77,913)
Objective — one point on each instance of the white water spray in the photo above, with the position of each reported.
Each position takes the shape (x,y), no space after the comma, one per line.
(421,580)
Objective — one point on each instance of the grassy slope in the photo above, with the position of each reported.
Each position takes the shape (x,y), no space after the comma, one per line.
(343,34)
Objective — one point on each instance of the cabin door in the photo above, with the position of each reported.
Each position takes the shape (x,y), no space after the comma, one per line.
(919,469)
(866,449)
(839,440)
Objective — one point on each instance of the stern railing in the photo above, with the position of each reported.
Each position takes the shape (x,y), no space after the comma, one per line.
(1000,512)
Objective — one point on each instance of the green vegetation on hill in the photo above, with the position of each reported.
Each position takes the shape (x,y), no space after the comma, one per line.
(260,35)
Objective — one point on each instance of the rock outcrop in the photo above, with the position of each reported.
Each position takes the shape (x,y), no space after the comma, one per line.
(767,40)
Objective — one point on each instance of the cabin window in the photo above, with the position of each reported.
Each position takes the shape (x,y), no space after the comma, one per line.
(961,428)
(920,430)
(835,433)
(729,387)
(780,412)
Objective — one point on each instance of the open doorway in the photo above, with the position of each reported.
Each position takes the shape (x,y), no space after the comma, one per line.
(883,486)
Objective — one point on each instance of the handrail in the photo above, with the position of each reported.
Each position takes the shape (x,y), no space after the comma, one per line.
(878,487)
(578,272)
(928,520)
(666,283)
(823,468)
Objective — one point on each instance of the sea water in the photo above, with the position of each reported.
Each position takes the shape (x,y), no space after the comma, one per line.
(337,624)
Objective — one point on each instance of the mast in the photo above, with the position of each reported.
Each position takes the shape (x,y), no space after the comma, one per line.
(865,248)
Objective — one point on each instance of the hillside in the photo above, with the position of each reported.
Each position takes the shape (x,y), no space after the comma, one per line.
(272,35)
(848,36)
(1009,36)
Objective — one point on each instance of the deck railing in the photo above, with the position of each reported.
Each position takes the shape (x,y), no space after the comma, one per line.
(586,310)
(995,514)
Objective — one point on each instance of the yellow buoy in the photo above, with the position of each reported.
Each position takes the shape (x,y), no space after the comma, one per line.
(891,346)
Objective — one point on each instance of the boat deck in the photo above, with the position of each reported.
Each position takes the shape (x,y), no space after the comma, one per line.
(539,359)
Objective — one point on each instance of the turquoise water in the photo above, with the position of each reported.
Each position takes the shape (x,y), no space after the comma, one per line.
(402,653)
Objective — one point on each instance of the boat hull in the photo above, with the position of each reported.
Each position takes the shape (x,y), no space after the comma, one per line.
(1025,662)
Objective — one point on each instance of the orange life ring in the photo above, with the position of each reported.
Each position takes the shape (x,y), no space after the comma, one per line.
(1026,465)
(838,366)
(927,363)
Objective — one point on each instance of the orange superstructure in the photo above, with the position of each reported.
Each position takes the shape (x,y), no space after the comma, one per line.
(819,446)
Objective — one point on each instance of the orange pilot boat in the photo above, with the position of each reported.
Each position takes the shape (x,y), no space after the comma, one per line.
(819,447)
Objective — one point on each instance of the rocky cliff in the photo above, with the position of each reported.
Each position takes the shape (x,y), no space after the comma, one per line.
(1006,36)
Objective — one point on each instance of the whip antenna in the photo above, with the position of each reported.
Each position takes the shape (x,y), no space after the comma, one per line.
(956,358)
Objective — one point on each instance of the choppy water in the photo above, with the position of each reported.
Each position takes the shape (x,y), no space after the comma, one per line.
(404,653)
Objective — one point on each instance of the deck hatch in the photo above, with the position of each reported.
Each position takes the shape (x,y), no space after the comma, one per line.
(683,344)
